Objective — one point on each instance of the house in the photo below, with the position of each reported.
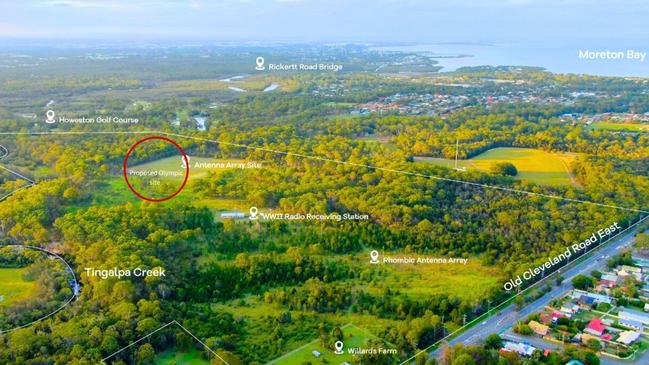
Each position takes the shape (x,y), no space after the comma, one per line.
(539,328)
(634,315)
(645,289)
(629,323)
(626,271)
(519,348)
(569,308)
(607,337)
(586,302)
(605,286)
(610,277)
(546,319)
(557,314)
(628,337)
(632,269)
(598,298)
(595,327)
(608,283)
(316,353)
(646,307)
(585,337)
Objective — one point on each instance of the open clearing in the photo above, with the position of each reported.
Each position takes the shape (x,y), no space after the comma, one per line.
(190,357)
(533,165)
(174,163)
(354,337)
(627,127)
(13,287)
(469,282)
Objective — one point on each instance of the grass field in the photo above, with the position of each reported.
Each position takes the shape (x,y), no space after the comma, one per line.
(469,281)
(174,163)
(354,337)
(13,287)
(172,357)
(161,186)
(533,165)
(628,127)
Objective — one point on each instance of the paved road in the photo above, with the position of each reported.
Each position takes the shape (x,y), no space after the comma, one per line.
(507,316)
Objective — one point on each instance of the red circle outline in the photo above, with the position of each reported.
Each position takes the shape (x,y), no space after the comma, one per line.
(128,154)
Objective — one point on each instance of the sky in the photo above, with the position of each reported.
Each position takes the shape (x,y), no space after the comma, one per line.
(326,20)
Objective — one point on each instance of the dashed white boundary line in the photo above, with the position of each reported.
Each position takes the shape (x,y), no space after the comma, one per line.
(71,272)
(30,181)
(324,159)
(103,361)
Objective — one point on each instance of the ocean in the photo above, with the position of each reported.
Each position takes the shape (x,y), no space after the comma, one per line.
(553,56)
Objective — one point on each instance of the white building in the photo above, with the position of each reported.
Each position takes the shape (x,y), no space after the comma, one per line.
(628,337)
(233,215)
(519,348)
(599,298)
(634,316)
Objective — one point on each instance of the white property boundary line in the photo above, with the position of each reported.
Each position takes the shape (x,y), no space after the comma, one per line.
(324,159)
(376,168)
(103,361)
(30,181)
(507,301)
(72,274)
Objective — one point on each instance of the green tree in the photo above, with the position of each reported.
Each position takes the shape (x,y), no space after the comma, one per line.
(464,359)
(493,341)
(582,282)
(145,354)
(504,168)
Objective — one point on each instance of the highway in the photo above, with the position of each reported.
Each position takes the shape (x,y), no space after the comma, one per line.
(507,316)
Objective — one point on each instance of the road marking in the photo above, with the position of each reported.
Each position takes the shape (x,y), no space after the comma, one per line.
(459,330)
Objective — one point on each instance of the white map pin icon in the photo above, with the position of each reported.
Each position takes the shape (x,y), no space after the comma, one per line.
(339,347)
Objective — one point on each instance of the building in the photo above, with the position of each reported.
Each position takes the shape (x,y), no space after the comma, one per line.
(611,277)
(519,348)
(632,269)
(628,337)
(607,337)
(585,337)
(629,323)
(233,215)
(539,328)
(598,298)
(603,286)
(626,271)
(608,283)
(595,327)
(569,308)
(316,353)
(586,302)
(634,315)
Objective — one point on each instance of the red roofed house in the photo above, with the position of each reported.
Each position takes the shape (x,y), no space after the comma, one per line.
(595,327)
(608,283)
(545,319)
(607,337)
